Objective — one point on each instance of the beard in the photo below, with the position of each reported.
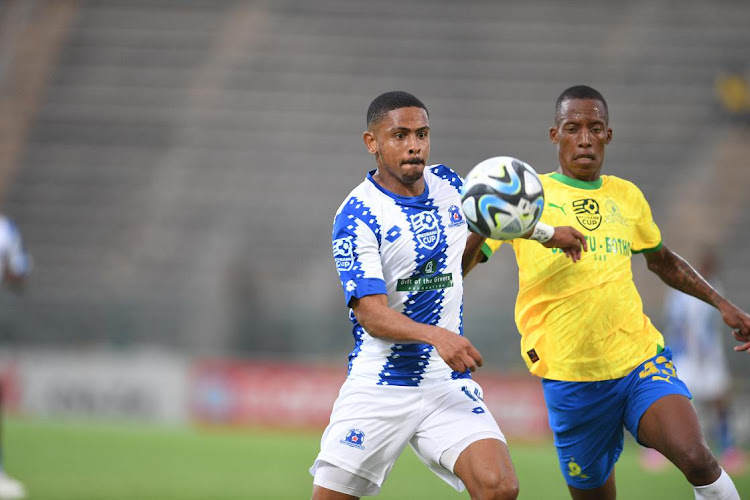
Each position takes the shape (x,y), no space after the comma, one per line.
(412,175)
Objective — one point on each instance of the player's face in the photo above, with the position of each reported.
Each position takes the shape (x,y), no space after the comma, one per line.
(401,145)
(581,135)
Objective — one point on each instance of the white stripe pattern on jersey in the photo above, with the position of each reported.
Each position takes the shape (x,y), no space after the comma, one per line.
(410,249)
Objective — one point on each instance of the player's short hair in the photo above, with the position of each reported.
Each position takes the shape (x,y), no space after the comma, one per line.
(579,92)
(382,104)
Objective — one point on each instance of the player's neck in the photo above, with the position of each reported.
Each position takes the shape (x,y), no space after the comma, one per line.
(396,186)
(587,177)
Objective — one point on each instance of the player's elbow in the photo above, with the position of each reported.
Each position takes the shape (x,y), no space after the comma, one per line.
(371,312)
(654,266)
(368,323)
(368,320)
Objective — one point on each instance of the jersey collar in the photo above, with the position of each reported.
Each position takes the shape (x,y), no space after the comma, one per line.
(403,199)
(575,182)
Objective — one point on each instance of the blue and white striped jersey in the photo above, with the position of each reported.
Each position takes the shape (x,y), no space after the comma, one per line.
(693,330)
(12,253)
(410,249)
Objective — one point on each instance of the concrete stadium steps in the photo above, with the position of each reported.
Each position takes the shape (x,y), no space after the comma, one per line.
(730,210)
(708,206)
(174,144)
(87,160)
(85,320)
(248,126)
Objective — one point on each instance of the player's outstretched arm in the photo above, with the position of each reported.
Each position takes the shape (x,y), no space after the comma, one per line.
(679,274)
(381,321)
(570,240)
(566,238)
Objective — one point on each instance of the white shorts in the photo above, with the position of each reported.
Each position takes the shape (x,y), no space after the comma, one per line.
(371,425)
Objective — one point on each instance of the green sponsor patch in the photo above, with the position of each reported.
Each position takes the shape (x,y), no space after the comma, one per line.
(421,283)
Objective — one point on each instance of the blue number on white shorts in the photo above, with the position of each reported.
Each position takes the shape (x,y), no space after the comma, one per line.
(477,396)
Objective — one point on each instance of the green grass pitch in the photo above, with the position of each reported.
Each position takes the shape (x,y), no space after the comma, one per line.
(79,461)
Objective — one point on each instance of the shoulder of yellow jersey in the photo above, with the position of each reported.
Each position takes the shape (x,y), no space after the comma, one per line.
(620,182)
(612,182)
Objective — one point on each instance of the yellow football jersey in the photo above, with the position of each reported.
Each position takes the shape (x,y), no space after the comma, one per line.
(585,321)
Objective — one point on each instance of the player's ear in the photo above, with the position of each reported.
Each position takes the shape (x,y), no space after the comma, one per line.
(370,143)
(553,134)
(609,135)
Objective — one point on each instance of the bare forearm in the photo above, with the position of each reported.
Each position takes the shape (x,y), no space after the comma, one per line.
(680,275)
(395,326)
(472,252)
(383,322)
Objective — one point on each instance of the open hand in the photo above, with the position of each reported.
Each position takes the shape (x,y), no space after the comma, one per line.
(570,241)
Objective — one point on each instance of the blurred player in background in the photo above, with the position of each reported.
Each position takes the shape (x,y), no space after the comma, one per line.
(693,330)
(398,242)
(603,364)
(15,263)
(15,266)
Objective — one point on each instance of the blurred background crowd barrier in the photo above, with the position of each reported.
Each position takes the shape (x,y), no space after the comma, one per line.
(175,167)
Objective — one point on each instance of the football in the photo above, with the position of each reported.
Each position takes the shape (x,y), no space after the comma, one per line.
(502,198)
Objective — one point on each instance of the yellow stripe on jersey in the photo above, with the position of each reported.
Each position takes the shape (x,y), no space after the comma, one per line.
(585,321)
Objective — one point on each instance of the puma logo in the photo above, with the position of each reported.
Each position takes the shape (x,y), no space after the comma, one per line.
(561,207)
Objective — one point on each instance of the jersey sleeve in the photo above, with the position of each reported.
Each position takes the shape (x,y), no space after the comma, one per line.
(356,251)
(489,247)
(447,174)
(647,236)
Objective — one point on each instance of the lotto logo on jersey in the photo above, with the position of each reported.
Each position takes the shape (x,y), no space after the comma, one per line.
(426,229)
(343,253)
(354,438)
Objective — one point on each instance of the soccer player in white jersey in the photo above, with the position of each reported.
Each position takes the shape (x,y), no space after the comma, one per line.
(398,242)
(693,330)
(15,265)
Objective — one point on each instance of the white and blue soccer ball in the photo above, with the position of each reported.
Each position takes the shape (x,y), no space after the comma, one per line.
(502,198)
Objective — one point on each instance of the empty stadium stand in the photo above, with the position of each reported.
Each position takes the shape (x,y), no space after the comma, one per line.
(179,178)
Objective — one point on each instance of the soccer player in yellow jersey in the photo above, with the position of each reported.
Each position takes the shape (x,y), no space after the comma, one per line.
(603,365)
